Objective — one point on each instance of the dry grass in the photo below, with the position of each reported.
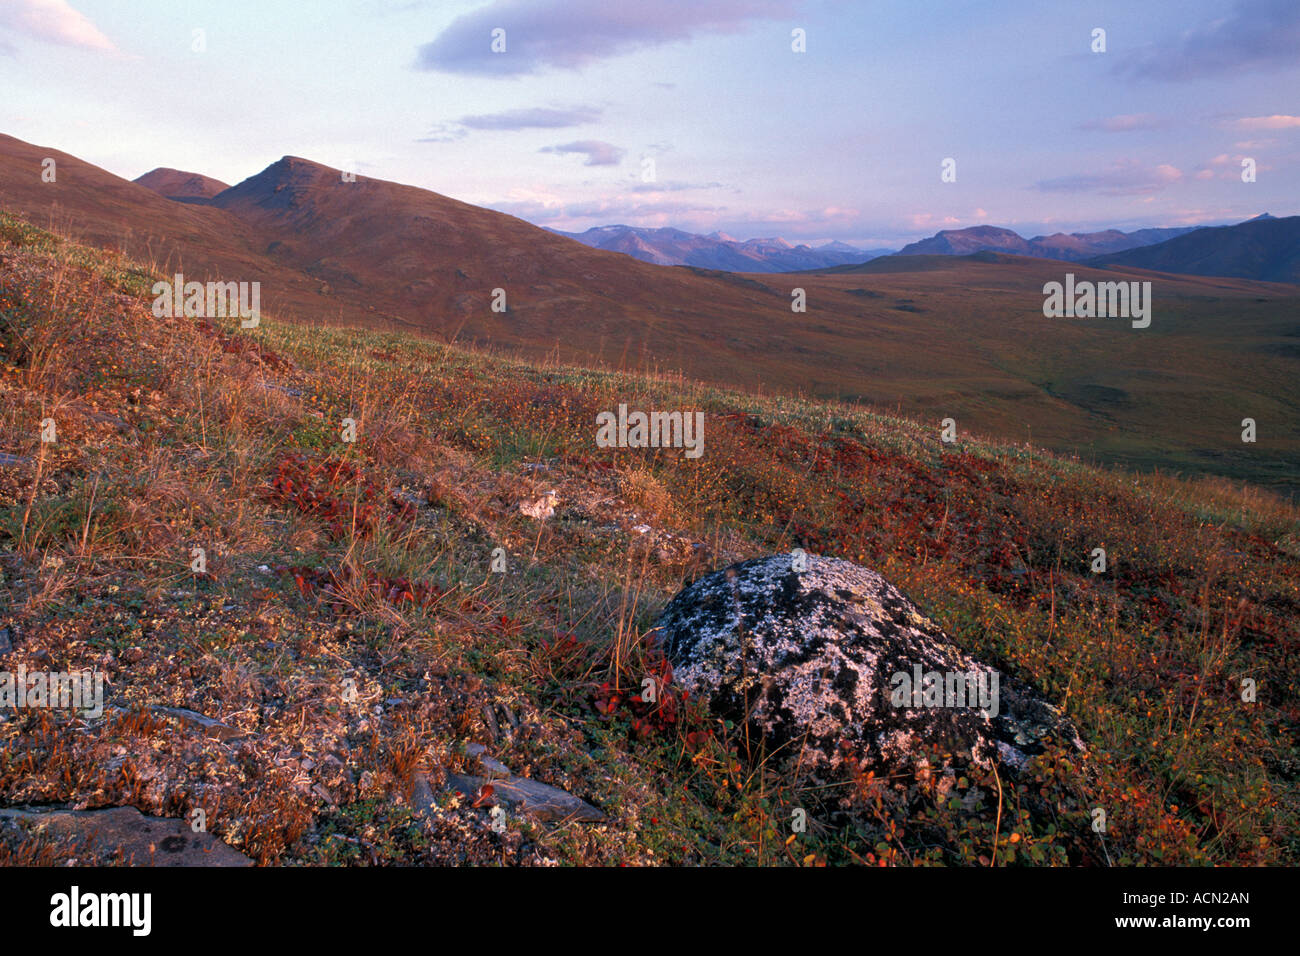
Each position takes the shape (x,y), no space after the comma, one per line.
(360,643)
(640,488)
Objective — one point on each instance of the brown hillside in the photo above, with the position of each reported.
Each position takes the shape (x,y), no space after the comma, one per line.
(180,185)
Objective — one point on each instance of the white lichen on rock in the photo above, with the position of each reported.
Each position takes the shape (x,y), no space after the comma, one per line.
(807,657)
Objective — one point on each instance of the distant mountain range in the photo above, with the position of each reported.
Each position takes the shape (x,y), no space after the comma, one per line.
(1264,248)
(1074,247)
(674,247)
(718,251)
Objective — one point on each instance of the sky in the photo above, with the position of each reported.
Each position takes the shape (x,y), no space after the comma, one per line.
(695,114)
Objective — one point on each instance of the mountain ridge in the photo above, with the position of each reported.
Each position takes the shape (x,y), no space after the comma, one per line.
(717,250)
(1075,246)
(1265,248)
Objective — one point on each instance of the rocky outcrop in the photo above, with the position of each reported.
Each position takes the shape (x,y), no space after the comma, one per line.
(825,661)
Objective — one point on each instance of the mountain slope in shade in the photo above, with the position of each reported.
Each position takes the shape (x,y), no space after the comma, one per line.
(675,247)
(1075,246)
(1265,249)
(180,185)
(1084,245)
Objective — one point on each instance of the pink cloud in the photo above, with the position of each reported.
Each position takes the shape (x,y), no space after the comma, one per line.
(1276,121)
(1124,178)
(53,21)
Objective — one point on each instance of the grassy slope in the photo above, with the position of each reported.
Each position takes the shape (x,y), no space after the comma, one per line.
(170,434)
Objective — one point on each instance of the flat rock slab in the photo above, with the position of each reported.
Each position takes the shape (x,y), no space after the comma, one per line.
(144,841)
(538,800)
(808,651)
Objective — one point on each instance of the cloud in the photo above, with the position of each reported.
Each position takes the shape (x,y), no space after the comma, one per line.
(1277,121)
(672,187)
(1229,167)
(444,133)
(1125,178)
(598,153)
(52,21)
(512,121)
(537,118)
(575,33)
(1256,35)
(1124,123)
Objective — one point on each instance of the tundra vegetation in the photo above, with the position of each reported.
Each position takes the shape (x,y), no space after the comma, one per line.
(348,630)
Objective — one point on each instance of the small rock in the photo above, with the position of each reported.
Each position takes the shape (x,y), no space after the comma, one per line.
(542,508)
(537,800)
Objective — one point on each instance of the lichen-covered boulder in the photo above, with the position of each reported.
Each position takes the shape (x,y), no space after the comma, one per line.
(826,661)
